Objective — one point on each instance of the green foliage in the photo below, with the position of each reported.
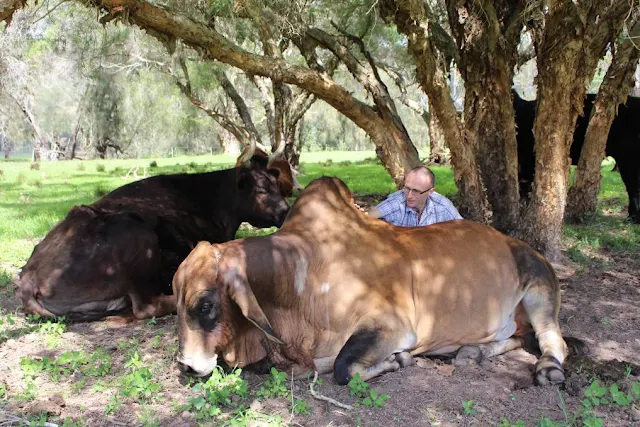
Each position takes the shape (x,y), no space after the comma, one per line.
(100,167)
(81,167)
(370,397)
(300,407)
(5,278)
(506,423)
(153,164)
(274,386)
(53,331)
(357,386)
(138,384)
(101,191)
(217,391)
(35,166)
(467,407)
(98,364)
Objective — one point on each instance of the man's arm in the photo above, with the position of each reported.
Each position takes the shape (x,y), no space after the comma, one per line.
(374,212)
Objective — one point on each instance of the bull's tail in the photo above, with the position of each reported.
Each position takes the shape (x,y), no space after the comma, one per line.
(28,293)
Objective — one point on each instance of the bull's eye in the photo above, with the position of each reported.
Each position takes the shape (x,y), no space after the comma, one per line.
(206,308)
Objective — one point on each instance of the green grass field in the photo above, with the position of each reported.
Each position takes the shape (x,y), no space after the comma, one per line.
(33,200)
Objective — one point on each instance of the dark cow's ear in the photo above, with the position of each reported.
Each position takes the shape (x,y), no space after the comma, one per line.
(242,295)
(275,172)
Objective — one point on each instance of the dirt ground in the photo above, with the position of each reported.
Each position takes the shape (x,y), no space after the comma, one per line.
(599,306)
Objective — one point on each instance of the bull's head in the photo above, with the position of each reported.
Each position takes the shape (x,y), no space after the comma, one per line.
(209,293)
(260,203)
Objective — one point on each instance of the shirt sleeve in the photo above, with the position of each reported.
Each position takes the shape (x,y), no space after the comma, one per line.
(389,208)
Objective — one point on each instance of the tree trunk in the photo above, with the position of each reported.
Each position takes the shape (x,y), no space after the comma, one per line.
(436,142)
(575,37)
(487,38)
(472,201)
(583,195)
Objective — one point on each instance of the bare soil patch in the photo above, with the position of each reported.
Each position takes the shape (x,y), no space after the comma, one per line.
(600,306)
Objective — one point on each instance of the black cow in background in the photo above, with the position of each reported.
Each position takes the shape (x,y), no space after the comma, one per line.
(623,144)
(119,254)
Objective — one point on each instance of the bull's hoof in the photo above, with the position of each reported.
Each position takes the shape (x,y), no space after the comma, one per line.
(466,354)
(549,376)
(549,371)
(404,359)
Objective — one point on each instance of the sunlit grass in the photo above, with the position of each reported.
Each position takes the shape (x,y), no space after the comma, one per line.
(33,200)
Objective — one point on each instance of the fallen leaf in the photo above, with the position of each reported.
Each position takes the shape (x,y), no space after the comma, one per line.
(445,370)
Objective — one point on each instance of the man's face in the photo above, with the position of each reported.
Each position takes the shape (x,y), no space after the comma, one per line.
(417,188)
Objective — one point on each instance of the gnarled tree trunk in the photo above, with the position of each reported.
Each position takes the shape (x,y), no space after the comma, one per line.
(583,195)
(575,37)
(487,38)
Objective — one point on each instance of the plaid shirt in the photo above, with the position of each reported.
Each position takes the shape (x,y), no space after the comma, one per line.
(395,211)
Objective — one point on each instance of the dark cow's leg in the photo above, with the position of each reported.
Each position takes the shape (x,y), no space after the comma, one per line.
(155,306)
(630,174)
(372,352)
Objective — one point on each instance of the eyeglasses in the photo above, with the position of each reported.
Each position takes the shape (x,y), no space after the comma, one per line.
(414,191)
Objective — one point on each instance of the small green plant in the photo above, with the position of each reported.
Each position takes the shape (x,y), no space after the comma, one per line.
(274,386)
(375,399)
(35,166)
(139,384)
(467,407)
(53,331)
(300,407)
(36,183)
(192,165)
(113,405)
(21,178)
(506,423)
(357,386)
(153,164)
(5,278)
(370,397)
(81,167)
(4,395)
(217,391)
(100,167)
(153,321)
(1,173)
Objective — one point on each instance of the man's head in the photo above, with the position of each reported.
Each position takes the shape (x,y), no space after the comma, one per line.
(418,186)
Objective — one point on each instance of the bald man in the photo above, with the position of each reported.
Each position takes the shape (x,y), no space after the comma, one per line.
(417,203)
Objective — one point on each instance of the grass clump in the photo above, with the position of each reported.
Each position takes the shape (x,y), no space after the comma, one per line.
(153,164)
(100,167)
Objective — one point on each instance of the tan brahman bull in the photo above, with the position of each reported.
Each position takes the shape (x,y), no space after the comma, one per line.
(336,290)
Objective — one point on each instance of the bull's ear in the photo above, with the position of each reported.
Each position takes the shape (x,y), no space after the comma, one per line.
(246,300)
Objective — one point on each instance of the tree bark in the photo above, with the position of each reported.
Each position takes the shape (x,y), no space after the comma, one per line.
(574,39)
(391,140)
(583,195)
(487,38)
(411,20)
(436,142)
(8,8)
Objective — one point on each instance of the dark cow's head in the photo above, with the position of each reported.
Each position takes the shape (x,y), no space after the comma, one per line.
(260,201)
(214,301)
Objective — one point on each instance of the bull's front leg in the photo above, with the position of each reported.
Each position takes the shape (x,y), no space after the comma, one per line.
(373,351)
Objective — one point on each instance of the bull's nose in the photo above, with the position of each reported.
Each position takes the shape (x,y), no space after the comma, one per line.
(186,369)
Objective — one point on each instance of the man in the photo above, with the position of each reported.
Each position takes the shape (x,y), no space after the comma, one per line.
(417,204)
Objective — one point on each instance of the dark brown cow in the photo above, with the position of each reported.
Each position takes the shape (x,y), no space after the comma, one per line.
(336,290)
(121,252)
